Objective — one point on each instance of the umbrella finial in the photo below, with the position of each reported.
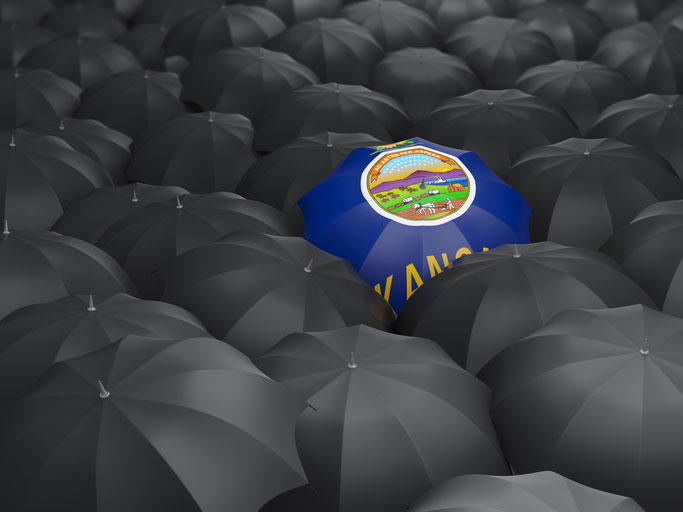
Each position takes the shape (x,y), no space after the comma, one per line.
(261,54)
(210,116)
(12,143)
(178,205)
(146,75)
(5,227)
(61,123)
(91,304)
(16,72)
(646,349)
(135,199)
(516,255)
(103,391)
(308,267)
(352,364)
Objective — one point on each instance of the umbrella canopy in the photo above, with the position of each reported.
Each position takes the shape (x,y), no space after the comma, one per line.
(293,11)
(214,28)
(422,77)
(17,40)
(241,79)
(582,190)
(394,24)
(84,61)
(653,121)
(650,251)
(91,138)
(85,20)
(671,15)
(40,266)
(151,424)
(40,176)
(146,43)
(448,14)
(28,94)
(389,416)
(133,102)
(210,152)
(401,211)
(335,48)
(574,31)
(545,491)
(583,88)
(521,287)
(252,289)
(497,125)
(24,11)
(648,55)
(595,395)
(332,107)
(284,176)
(500,49)
(168,11)
(36,336)
(125,8)
(91,216)
(626,12)
(143,242)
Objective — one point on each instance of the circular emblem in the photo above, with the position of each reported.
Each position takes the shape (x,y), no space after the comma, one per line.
(418,186)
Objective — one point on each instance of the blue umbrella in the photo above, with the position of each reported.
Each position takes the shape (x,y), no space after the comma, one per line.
(401,213)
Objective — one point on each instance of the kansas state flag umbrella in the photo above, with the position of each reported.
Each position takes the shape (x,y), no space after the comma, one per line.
(401,213)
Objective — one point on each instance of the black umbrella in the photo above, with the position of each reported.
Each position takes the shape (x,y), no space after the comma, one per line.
(625,12)
(204,152)
(28,94)
(150,424)
(143,242)
(335,48)
(652,121)
(545,491)
(293,11)
(36,336)
(40,266)
(24,11)
(241,79)
(394,24)
(214,28)
(574,31)
(672,15)
(582,190)
(125,8)
(284,176)
(422,77)
(40,176)
(133,102)
(502,295)
(95,140)
(448,14)
(389,416)
(332,107)
(252,289)
(169,11)
(91,216)
(583,88)
(650,56)
(83,61)
(146,43)
(85,20)
(498,125)
(17,40)
(595,395)
(650,251)
(500,49)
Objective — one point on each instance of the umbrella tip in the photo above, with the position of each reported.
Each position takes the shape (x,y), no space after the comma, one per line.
(91,304)
(5,227)
(670,105)
(308,267)
(490,103)
(12,142)
(645,350)
(516,255)
(103,391)
(134,198)
(261,54)
(210,116)
(178,204)
(146,74)
(16,72)
(61,123)
(352,364)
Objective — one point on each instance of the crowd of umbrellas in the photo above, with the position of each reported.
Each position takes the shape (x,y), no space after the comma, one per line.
(171,340)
